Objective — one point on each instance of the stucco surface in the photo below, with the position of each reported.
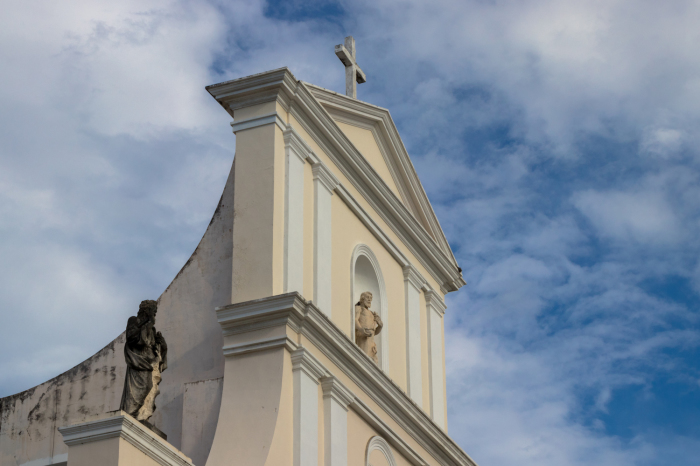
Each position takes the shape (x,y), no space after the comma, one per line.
(364,141)
(92,389)
(104,453)
(256,407)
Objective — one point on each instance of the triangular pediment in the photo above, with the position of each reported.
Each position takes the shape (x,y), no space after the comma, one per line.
(374,134)
(378,166)
(368,142)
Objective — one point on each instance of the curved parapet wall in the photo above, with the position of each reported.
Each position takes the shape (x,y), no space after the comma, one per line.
(188,405)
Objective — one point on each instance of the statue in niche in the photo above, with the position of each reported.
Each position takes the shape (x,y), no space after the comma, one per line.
(146,358)
(367,325)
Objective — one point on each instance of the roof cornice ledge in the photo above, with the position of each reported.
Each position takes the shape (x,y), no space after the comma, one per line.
(277,85)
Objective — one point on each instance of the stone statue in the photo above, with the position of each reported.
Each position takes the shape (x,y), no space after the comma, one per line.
(146,358)
(367,325)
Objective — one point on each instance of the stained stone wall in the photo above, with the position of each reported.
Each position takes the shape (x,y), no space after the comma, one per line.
(92,389)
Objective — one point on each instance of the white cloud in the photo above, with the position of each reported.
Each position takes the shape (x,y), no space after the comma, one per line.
(641,216)
(664,142)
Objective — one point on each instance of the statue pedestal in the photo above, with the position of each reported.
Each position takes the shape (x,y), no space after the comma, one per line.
(119,441)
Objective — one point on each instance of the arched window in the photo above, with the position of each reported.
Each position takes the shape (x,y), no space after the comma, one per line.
(379,453)
(367,276)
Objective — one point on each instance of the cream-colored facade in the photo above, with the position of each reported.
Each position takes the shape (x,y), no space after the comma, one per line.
(322,204)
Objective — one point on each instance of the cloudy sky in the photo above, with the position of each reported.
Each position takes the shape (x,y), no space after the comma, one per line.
(558,141)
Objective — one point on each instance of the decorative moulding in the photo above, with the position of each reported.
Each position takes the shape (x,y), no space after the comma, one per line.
(260,345)
(129,429)
(304,317)
(296,97)
(332,388)
(325,176)
(432,299)
(342,113)
(294,142)
(390,434)
(412,275)
(379,121)
(288,309)
(259,121)
(378,443)
(326,133)
(271,86)
(306,362)
(329,180)
(373,126)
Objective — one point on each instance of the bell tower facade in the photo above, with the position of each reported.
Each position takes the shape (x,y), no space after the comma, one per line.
(334,338)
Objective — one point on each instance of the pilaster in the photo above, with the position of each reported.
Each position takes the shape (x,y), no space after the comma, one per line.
(436,310)
(295,159)
(413,282)
(307,372)
(324,186)
(336,399)
(118,441)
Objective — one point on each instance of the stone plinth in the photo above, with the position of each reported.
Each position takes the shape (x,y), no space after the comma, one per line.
(119,441)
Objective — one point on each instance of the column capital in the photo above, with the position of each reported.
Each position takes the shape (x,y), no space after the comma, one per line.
(304,361)
(325,176)
(294,143)
(411,275)
(334,389)
(433,300)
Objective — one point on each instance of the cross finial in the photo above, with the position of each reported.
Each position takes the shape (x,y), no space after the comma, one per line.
(353,73)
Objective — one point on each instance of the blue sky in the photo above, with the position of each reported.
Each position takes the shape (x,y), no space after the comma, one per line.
(558,142)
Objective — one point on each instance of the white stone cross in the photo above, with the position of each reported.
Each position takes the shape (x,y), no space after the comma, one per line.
(353,73)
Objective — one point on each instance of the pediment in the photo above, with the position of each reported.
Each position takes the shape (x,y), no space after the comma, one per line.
(379,167)
(384,151)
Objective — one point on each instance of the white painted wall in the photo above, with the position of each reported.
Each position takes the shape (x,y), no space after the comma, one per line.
(324,184)
(436,310)
(412,286)
(294,219)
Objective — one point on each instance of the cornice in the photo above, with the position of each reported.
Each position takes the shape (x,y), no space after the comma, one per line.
(259,121)
(287,309)
(294,144)
(378,443)
(358,112)
(326,133)
(372,125)
(296,97)
(260,345)
(125,427)
(357,366)
(271,86)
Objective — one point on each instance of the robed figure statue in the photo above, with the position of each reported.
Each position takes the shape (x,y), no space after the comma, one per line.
(146,357)
(367,325)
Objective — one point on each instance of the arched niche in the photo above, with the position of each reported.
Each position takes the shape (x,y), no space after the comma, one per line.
(379,453)
(366,275)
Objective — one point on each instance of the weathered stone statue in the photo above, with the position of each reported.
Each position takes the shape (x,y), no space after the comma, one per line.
(367,325)
(146,358)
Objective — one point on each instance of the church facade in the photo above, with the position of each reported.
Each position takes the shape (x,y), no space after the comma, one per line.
(322,204)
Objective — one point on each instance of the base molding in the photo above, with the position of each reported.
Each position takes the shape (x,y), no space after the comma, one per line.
(119,440)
